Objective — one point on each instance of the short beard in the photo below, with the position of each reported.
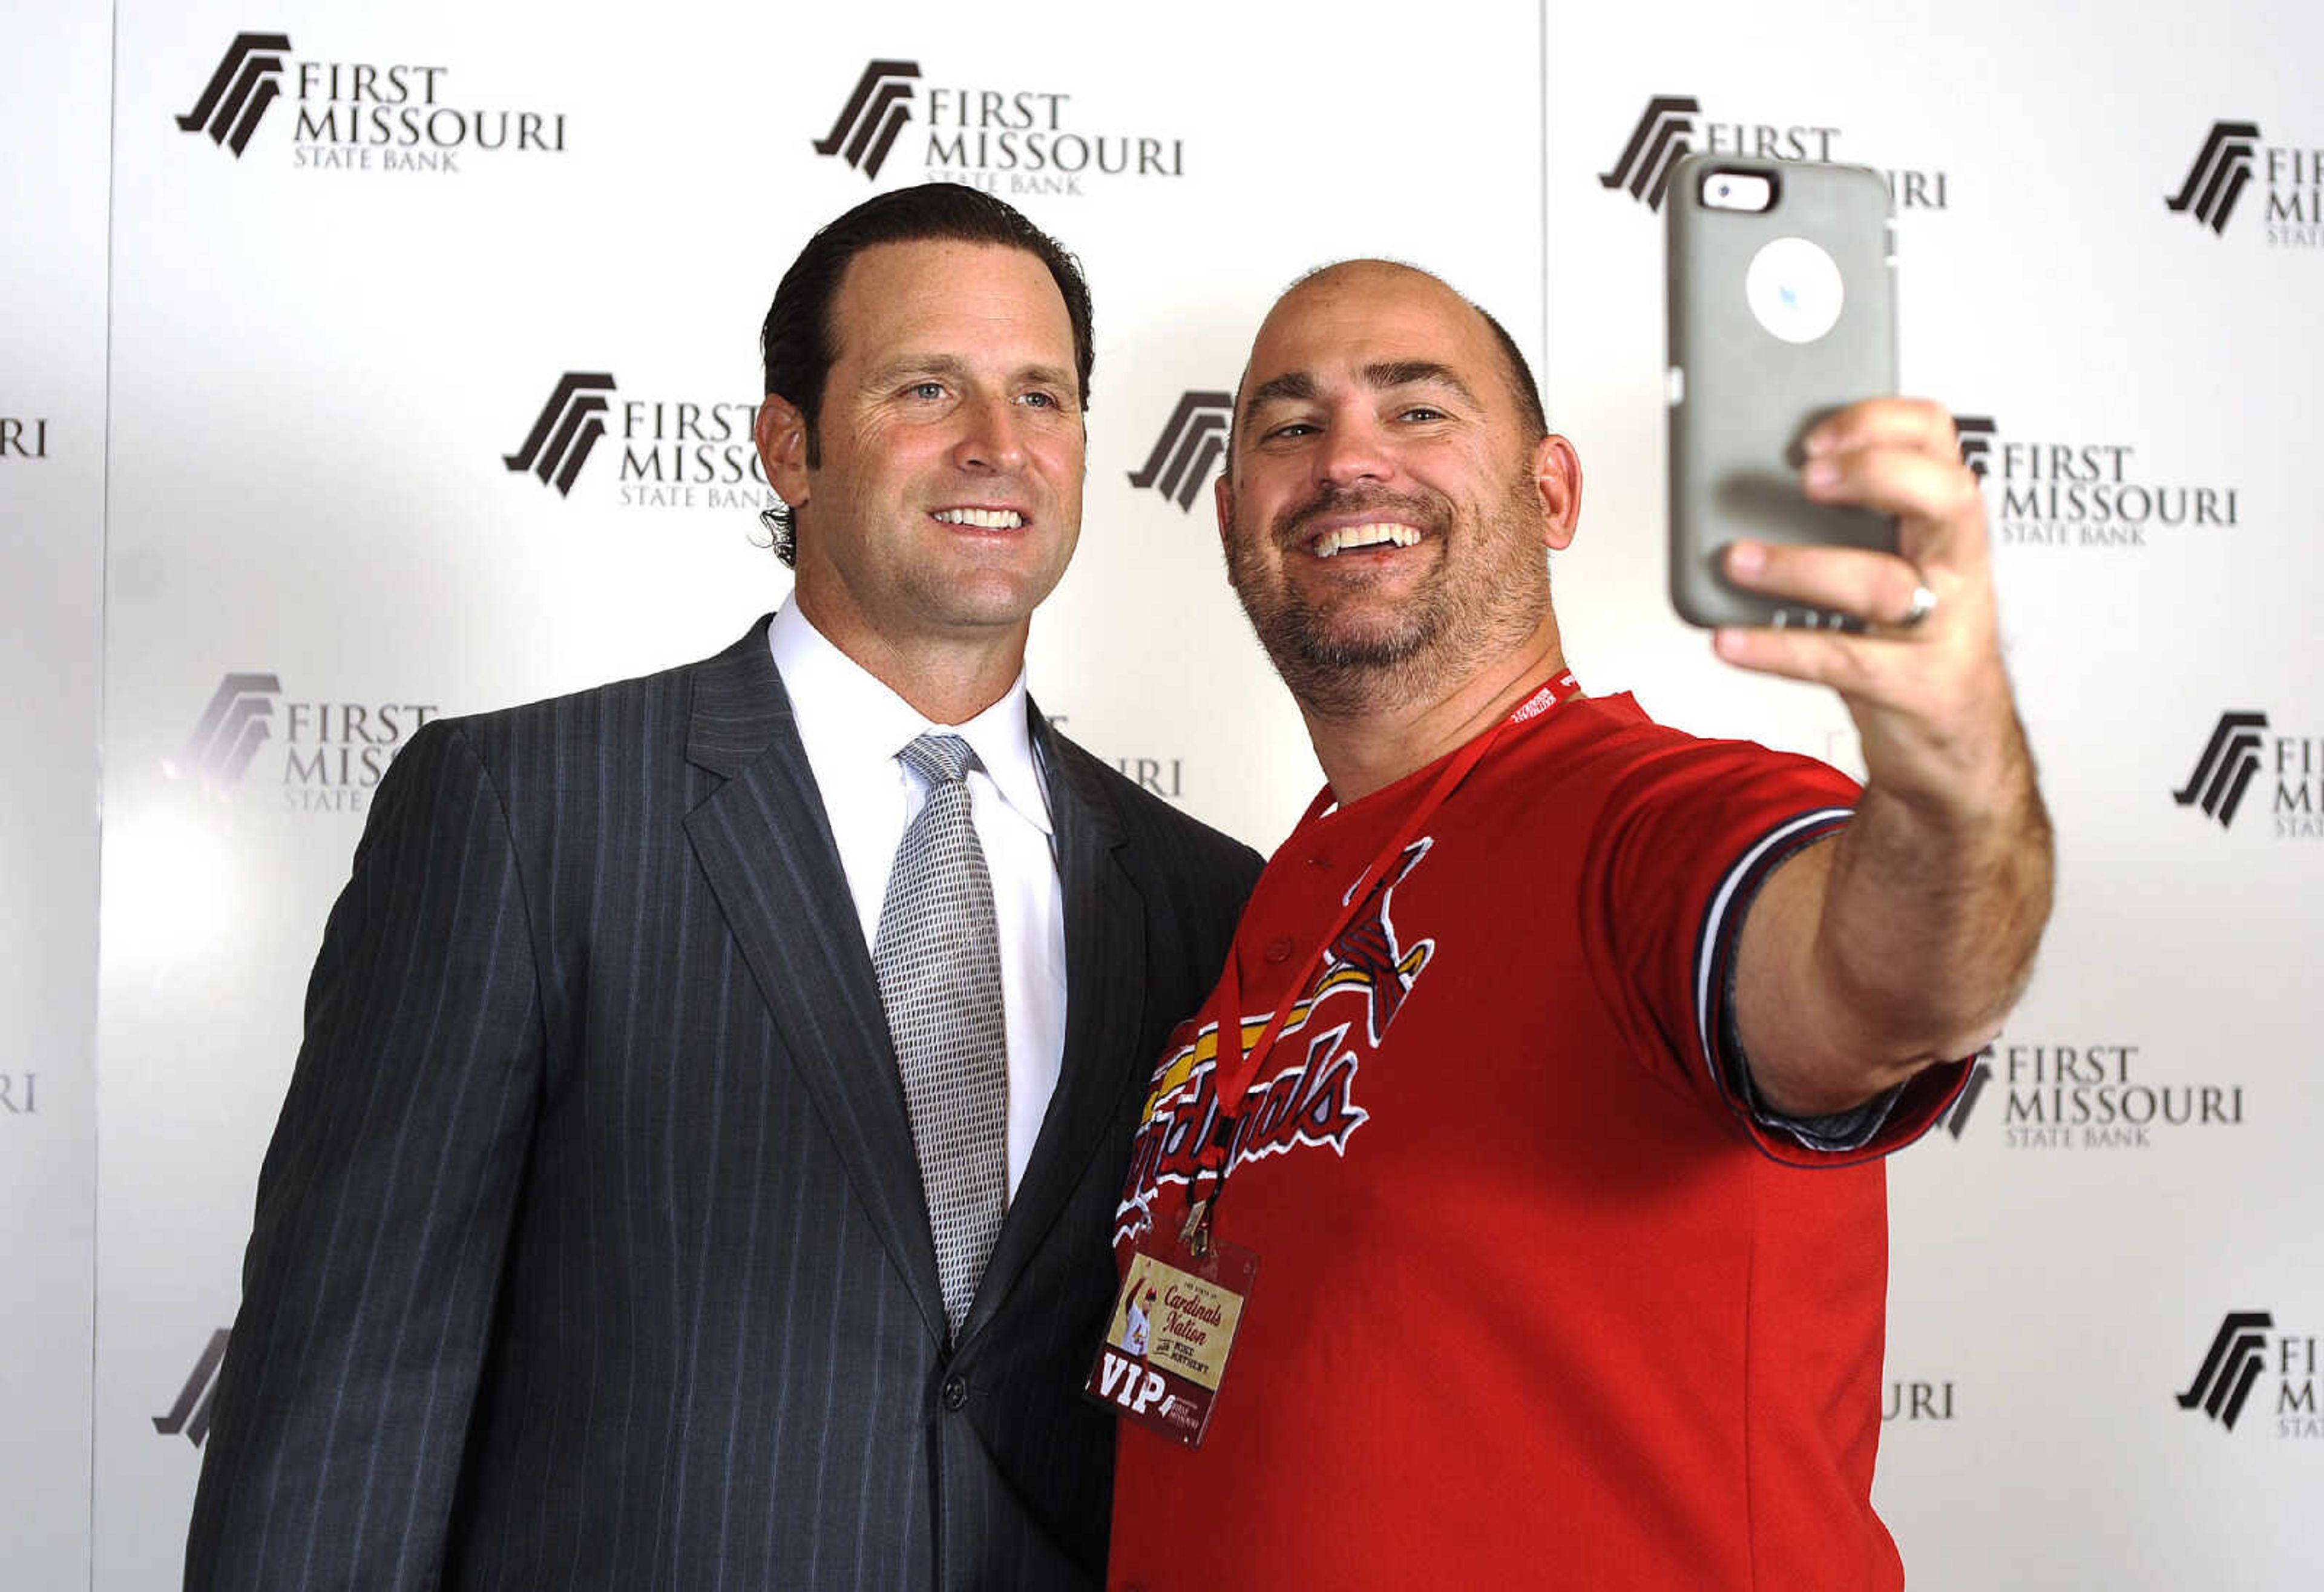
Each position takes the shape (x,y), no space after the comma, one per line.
(1472,610)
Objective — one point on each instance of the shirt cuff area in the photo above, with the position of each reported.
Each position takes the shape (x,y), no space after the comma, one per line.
(1837,1133)
(1834,1133)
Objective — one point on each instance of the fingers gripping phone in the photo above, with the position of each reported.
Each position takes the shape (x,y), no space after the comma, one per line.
(1782,309)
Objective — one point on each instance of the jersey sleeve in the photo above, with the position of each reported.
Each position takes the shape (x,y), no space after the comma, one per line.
(1688,834)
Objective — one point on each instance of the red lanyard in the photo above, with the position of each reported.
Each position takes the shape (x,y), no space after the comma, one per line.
(1233,1084)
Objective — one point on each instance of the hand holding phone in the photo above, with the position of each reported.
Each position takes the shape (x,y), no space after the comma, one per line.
(1832,535)
(1782,312)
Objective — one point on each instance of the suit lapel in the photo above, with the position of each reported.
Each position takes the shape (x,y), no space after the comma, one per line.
(1105,1010)
(765,844)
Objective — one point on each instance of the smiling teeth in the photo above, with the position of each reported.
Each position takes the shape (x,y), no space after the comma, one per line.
(1348,536)
(982,519)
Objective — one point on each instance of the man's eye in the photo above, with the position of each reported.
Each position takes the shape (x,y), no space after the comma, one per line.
(928,390)
(1039,400)
(1290,430)
(1423,412)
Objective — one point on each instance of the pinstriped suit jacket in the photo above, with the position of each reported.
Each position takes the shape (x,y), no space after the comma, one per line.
(590,1250)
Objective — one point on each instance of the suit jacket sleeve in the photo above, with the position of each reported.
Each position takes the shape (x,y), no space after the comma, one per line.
(384,1203)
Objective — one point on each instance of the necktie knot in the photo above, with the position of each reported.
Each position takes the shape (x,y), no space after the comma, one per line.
(940,760)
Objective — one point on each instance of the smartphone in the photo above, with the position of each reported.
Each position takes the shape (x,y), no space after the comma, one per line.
(1782,309)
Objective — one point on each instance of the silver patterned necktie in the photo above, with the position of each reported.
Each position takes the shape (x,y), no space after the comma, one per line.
(938,956)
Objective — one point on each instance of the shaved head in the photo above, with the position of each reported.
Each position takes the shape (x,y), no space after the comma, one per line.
(1516,372)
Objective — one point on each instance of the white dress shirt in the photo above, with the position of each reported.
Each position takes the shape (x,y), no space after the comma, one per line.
(852,727)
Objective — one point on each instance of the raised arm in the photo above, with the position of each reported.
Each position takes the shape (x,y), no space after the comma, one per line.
(1906,938)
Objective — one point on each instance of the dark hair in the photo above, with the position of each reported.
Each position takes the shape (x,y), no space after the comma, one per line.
(1522,386)
(797,342)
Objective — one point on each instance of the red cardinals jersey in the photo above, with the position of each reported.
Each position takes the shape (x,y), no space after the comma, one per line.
(1539,1303)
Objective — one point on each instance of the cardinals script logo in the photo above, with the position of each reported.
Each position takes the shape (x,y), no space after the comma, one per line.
(1341,1018)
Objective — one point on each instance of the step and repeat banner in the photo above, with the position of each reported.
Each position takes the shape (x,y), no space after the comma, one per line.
(2107,1291)
(434,358)
(54,99)
(418,380)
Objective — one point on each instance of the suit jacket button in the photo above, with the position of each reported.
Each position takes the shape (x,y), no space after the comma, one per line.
(1279,948)
(955,1392)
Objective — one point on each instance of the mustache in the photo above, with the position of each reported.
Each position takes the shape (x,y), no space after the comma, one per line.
(1429,511)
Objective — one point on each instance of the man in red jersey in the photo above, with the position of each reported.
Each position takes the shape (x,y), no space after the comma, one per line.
(1569,1044)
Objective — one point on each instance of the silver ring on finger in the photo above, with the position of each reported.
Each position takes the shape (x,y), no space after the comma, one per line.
(1923,603)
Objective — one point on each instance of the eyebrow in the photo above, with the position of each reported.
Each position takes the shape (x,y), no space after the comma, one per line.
(956,368)
(1294,384)
(1051,375)
(896,369)
(1301,386)
(1413,373)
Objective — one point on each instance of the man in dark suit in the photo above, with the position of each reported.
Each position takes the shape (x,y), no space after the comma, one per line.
(608,1239)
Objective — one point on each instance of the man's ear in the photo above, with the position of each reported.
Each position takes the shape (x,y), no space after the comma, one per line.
(780,432)
(1222,499)
(1557,480)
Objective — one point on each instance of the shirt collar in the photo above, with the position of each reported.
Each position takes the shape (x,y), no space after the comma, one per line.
(847,717)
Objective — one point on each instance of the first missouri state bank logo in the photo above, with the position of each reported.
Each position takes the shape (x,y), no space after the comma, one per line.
(333,751)
(2246,1349)
(1192,442)
(669,452)
(189,1416)
(2086,494)
(1975,432)
(1954,1120)
(392,114)
(567,430)
(2229,763)
(874,115)
(2243,750)
(1664,136)
(24,438)
(2089,1095)
(1012,141)
(2237,1355)
(1673,126)
(235,98)
(2221,171)
(235,725)
(2230,161)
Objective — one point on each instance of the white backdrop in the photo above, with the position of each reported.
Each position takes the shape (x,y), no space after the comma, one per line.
(52,119)
(310,539)
(2051,1291)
